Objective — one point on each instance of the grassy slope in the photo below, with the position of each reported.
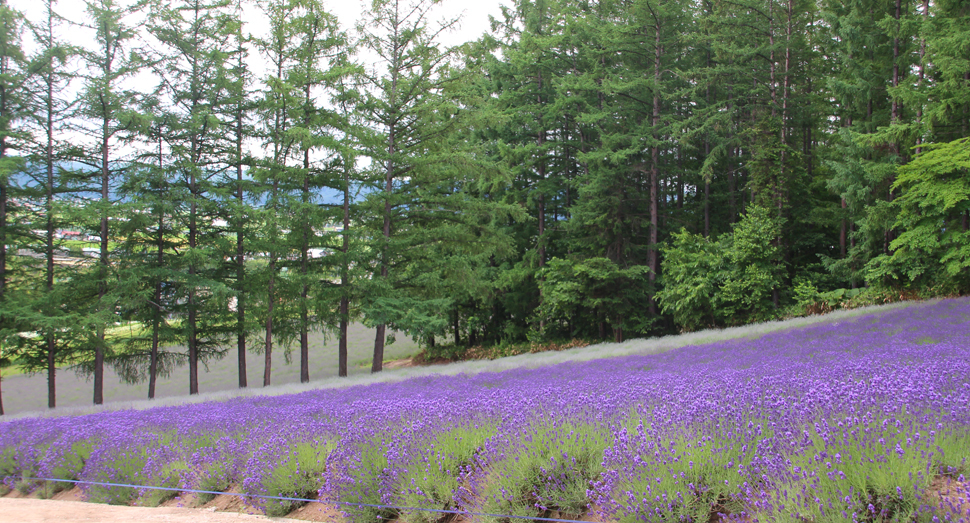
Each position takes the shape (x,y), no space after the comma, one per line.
(25,396)
(219,382)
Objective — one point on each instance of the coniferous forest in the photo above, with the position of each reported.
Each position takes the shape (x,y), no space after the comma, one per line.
(588,169)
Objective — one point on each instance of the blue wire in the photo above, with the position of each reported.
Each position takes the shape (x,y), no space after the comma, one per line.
(281,498)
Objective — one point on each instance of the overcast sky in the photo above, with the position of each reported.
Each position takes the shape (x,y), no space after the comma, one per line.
(474,15)
(474,22)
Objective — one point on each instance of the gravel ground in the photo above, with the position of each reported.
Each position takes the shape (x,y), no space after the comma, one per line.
(25,394)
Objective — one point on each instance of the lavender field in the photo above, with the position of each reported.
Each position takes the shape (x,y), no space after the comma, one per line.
(862,419)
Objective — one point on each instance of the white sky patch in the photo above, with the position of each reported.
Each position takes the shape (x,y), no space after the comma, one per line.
(474,17)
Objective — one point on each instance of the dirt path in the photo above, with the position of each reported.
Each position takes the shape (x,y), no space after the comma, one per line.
(69,506)
(26,510)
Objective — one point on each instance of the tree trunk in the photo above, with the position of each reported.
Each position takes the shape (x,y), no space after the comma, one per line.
(51,372)
(707,194)
(344,281)
(731,183)
(195,150)
(192,319)
(919,82)
(541,201)
(541,171)
(454,319)
(103,269)
(240,258)
(680,179)
(160,262)
(652,258)
(894,116)
(843,231)
(271,289)
(342,348)
(377,364)
(153,358)
(271,301)
(304,271)
(786,82)
(49,209)
(240,297)
(707,153)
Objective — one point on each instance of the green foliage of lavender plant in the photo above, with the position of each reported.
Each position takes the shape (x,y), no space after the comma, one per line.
(127,465)
(880,470)
(367,476)
(172,474)
(434,480)
(70,464)
(214,479)
(298,475)
(694,474)
(25,485)
(8,462)
(550,468)
(124,467)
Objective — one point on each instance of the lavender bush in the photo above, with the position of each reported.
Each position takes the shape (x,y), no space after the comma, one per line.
(859,419)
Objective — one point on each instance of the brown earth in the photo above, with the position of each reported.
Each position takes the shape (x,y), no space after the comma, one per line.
(952,496)
(26,510)
(68,506)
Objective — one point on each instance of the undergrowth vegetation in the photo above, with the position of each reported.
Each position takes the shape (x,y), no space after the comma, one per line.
(852,420)
(453,352)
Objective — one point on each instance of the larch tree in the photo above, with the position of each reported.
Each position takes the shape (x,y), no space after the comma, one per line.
(277,172)
(12,77)
(241,106)
(398,98)
(197,41)
(107,105)
(146,278)
(427,177)
(319,72)
(51,73)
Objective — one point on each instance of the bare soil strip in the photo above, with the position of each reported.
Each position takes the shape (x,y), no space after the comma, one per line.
(68,506)
(27,510)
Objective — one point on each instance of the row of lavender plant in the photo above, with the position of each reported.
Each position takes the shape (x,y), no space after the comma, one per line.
(857,420)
